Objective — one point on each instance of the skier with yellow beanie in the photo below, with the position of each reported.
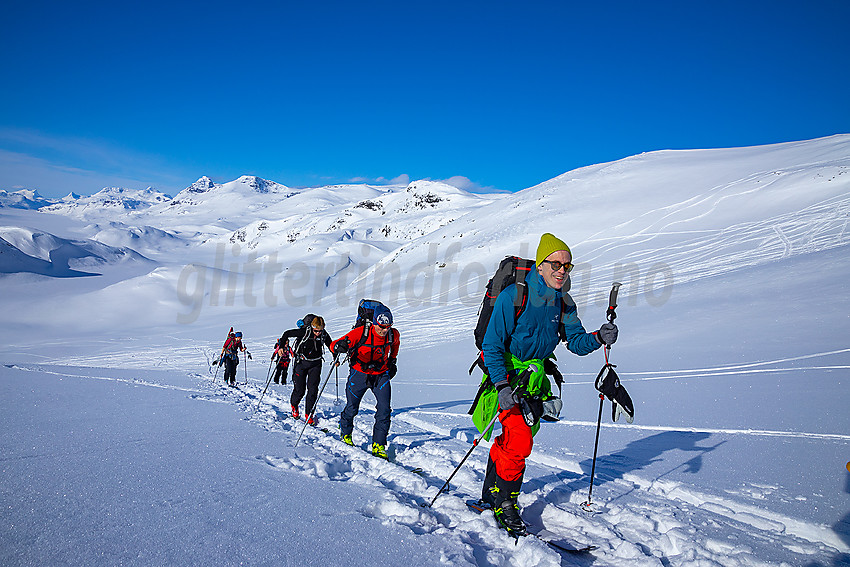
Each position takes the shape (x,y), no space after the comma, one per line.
(513,344)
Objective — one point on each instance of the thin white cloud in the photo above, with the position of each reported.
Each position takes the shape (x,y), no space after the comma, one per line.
(467,184)
(57,165)
(403,179)
(458,181)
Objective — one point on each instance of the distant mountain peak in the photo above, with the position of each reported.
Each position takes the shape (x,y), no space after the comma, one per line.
(260,185)
(202,185)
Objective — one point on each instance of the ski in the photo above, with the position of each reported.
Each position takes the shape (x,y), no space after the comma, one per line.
(545,536)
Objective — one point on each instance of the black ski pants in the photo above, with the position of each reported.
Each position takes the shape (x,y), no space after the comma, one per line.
(306,375)
(280,373)
(230,365)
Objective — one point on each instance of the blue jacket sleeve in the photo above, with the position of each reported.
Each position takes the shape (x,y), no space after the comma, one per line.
(499,329)
(579,341)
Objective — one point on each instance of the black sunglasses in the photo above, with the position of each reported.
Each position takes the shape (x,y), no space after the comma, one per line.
(556,266)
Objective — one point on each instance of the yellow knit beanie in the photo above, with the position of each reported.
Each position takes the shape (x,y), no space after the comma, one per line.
(549,244)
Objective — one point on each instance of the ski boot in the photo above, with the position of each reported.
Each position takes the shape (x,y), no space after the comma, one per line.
(379,450)
(295,412)
(348,440)
(501,495)
(311,420)
(507,514)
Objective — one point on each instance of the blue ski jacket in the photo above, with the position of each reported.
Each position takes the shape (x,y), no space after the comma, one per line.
(535,333)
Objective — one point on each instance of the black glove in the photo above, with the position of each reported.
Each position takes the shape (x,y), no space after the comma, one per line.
(215,363)
(506,396)
(608,383)
(249,355)
(551,369)
(392,368)
(341,347)
(607,334)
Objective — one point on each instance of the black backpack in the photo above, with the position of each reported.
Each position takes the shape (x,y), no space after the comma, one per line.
(304,324)
(511,270)
(365,312)
(306,320)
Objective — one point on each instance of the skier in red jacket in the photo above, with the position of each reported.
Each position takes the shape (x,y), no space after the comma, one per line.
(373,364)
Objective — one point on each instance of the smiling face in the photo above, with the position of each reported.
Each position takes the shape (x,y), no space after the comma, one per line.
(556,279)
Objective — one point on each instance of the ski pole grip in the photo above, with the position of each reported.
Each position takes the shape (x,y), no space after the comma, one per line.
(612,301)
(522,379)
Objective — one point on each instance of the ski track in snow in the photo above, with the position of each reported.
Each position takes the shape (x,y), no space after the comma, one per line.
(819,227)
(652,522)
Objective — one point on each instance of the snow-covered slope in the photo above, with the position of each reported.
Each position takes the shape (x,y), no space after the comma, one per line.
(26,250)
(733,344)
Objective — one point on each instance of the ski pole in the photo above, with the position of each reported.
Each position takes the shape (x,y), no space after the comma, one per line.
(337,384)
(316,403)
(217,366)
(611,315)
(220,360)
(268,381)
(532,368)
(586,506)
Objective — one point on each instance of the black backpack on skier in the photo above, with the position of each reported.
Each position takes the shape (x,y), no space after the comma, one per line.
(511,270)
(365,312)
(304,325)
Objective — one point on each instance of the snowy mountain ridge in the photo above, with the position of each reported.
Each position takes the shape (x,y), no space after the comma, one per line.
(23,199)
(108,199)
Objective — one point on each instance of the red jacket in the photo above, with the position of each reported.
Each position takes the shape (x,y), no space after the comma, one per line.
(374,355)
(233,345)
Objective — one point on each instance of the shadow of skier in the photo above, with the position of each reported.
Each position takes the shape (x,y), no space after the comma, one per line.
(636,456)
(842,528)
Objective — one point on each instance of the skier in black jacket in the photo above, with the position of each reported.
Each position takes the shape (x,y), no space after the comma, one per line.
(306,373)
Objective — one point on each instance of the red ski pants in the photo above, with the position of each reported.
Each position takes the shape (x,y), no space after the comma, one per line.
(513,446)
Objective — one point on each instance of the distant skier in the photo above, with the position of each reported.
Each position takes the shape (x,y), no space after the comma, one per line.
(510,345)
(230,356)
(306,372)
(283,354)
(373,365)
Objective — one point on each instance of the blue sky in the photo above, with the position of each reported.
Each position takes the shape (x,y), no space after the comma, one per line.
(497,95)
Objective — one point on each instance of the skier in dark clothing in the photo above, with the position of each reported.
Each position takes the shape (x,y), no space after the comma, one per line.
(230,356)
(283,354)
(373,365)
(306,373)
